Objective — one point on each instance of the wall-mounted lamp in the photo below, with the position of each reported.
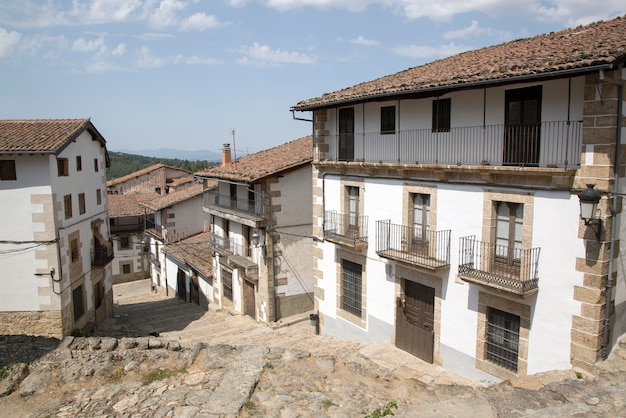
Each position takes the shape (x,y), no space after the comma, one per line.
(51,274)
(589,199)
(255,238)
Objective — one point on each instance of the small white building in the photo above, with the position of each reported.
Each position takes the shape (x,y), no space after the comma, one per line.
(177,215)
(260,231)
(158,178)
(127,223)
(447,212)
(55,273)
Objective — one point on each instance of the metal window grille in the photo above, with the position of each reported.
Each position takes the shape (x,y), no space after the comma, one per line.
(351,285)
(227,283)
(503,338)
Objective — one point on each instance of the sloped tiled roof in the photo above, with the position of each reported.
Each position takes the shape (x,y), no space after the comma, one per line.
(178,181)
(173,198)
(140,173)
(265,163)
(579,49)
(193,251)
(42,136)
(120,205)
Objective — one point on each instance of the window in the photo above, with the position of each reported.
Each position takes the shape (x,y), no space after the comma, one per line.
(7,170)
(77,301)
(74,253)
(441,115)
(353,206)
(502,338)
(388,120)
(233,195)
(98,197)
(421,216)
(351,287)
(63,167)
(81,203)
(95,165)
(98,293)
(227,283)
(157,190)
(124,243)
(79,163)
(67,205)
(509,222)
(126,268)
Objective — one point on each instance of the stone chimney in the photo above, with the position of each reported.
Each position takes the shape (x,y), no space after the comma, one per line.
(226,158)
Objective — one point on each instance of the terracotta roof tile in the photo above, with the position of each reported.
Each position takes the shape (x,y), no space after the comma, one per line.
(193,251)
(140,173)
(120,205)
(42,135)
(574,49)
(173,198)
(265,163)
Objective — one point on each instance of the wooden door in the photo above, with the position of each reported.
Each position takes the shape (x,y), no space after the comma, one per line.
(522,131)
(181,287)
(194,290)
(248,299)
(346,134)
(415,320)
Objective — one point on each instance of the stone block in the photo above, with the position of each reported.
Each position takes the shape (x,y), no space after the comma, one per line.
(589,295)
(584,354)
(587,325)
(594,312)
(599,135)
(593,341)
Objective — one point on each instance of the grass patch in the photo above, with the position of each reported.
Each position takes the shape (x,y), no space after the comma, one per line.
(114,375)
(5,372)
(161,374)
(385,411)
(249,406)
(328,403)
(579,375)
(268,366)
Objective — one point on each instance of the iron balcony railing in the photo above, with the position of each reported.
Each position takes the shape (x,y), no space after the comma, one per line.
(134,227)
(154,228)
(101,256)
(346,228)
(254,207)
(154,260)
(418,246)
(500,266)
(546,144)
(229,245)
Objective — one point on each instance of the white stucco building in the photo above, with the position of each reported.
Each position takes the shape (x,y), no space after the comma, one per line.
(55,274)
(259,229)
(446,205)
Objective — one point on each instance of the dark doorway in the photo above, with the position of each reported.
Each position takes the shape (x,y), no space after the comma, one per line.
(522,130)
(194,290)
(249,300)
(346,134)
(181,288)
(415,319)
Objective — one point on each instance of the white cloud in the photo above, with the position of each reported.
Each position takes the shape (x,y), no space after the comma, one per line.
(153,35)
(81,45)
(424,51)
(105,10)
(472,30)
(166,14)
(360,40)
(119,50)
(146,59)
(194,59)
(263,55)
(8,40)
(199,21)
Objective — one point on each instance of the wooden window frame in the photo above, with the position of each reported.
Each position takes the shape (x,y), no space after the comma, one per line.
(7,170)
(442,109)
(79,163)
(126,268)
(124,243)
(82,206)
(98,197)
(67,205)
(95,165)
(387,120)
(63,167)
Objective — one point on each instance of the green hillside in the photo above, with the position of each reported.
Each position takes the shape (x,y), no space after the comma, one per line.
(123,164)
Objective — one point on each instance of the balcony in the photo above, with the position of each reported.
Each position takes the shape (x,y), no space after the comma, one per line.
(238,255)
(154,260)
(101,256)
(508,269)
(548,144)
(416,246)
(345,229)
(154,229)
(236,208)
(134,227)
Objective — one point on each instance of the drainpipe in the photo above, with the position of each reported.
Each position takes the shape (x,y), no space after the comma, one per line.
(609,283)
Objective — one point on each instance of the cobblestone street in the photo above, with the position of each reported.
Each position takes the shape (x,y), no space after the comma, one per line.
(213,364)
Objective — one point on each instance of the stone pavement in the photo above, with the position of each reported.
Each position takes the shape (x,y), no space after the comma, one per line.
(213,364)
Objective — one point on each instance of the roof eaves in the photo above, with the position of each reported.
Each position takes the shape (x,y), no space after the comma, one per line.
(458,86)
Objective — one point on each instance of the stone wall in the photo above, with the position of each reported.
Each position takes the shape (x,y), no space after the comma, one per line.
(293,304)
(41,323)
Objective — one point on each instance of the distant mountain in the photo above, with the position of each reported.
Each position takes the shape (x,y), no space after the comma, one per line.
(172,153)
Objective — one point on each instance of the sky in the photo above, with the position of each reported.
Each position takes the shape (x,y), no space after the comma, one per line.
(186,74)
